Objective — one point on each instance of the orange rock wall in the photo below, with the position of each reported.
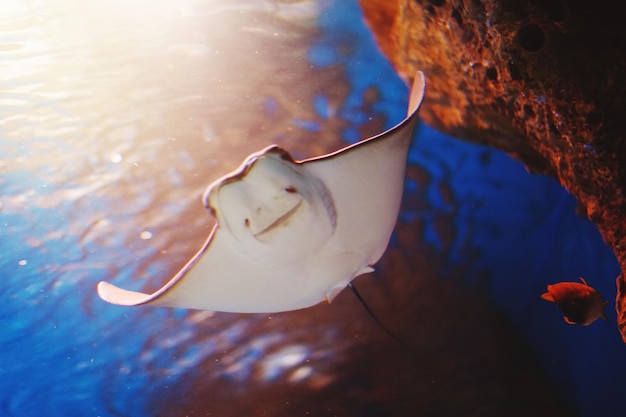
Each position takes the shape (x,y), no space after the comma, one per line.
(544,81)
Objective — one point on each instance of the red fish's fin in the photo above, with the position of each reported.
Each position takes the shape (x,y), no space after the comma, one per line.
(568,321)
(547,296)
(583,281)
(604,315)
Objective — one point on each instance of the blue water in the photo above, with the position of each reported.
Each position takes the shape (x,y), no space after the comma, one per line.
(523,232)
(107,175)
(527,234)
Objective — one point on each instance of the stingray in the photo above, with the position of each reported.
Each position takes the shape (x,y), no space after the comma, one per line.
(291,234)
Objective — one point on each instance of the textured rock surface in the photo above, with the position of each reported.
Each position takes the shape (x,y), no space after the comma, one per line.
(541,80)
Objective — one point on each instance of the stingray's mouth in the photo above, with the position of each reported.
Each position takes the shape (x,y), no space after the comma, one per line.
(280,221)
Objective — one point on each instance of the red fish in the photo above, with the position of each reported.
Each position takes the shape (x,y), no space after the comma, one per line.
(580,303)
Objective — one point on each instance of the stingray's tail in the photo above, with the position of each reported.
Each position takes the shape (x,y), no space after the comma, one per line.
(378,322)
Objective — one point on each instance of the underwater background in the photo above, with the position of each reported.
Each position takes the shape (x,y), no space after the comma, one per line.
(115,116)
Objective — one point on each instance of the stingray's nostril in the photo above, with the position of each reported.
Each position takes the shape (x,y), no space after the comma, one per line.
(246,222)
(291,189)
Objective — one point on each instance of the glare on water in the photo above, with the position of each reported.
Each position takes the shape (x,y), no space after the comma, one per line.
(114,117)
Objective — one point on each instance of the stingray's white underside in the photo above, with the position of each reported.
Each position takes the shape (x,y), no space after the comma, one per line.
(291,234)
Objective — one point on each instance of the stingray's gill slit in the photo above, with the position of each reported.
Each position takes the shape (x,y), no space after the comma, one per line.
(380,324)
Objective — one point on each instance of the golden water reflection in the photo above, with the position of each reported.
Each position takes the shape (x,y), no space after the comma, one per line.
(144,103)
(114,117)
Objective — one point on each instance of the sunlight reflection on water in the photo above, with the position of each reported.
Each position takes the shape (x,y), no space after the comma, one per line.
(114,118)
(115,107)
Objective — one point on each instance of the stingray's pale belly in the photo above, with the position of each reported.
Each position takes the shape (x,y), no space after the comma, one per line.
(291,234)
